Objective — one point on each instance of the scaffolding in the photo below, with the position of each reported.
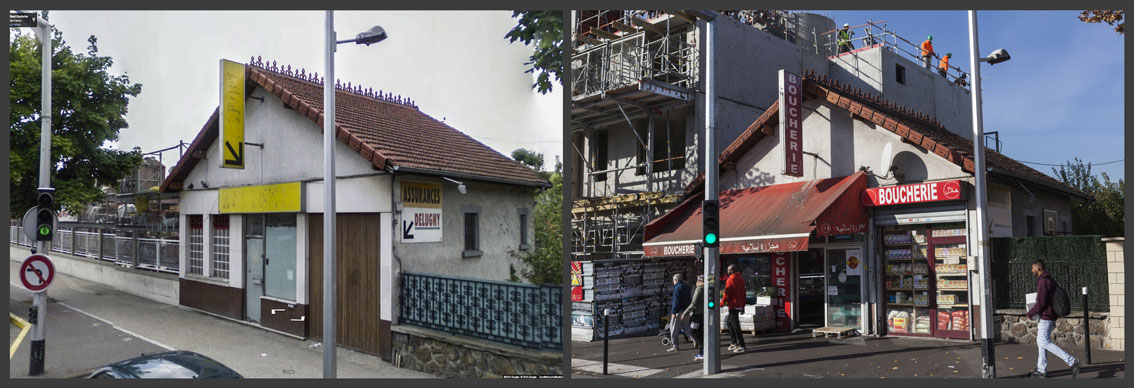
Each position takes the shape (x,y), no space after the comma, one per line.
(614,228)
(618,49)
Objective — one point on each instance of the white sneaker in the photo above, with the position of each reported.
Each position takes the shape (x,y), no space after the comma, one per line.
(732,347)
(672,349)
(738,349)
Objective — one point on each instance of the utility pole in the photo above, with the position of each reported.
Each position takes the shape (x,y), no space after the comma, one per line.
(329,265)
(987,347)
(39,299)
(712,351)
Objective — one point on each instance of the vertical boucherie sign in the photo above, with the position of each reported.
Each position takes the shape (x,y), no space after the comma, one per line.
(791,123)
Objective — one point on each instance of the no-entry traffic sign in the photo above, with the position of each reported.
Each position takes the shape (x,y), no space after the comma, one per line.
(37,272)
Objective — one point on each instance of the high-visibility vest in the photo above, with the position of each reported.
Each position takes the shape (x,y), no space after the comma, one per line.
(844,36)
(926,48)
(944,64)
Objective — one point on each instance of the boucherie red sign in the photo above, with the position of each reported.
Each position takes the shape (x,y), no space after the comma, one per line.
(915,193)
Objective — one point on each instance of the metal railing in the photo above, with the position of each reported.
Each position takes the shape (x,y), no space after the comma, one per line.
(516,314)
(873,34)
(132,252)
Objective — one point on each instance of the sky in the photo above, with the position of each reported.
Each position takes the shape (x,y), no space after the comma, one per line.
(1058,98)
(456,66)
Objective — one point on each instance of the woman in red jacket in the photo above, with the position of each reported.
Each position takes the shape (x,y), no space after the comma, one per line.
(733,299)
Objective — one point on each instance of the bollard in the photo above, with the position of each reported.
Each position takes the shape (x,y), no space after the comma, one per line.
(1086,326)
(605,338)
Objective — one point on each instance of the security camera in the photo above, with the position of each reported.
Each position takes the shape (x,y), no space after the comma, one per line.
(1000,55)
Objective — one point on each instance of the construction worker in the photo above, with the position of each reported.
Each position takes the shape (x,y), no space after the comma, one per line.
(927,51)
(943,67)
(845,45)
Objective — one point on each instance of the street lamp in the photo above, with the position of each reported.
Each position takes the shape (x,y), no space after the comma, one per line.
(988,354)
(373,35)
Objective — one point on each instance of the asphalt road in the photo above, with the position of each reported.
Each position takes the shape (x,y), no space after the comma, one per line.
(76,343)
(800,356)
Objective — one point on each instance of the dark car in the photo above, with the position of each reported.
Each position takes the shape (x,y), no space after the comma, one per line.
(169,365)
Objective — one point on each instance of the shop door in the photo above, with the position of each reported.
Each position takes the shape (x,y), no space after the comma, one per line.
(844,287)
(253,265)
(811,288)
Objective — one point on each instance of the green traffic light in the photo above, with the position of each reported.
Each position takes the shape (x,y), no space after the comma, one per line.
(44,230)
(710,238)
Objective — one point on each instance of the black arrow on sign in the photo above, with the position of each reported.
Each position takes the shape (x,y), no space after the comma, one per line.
(237,157)
(406,230)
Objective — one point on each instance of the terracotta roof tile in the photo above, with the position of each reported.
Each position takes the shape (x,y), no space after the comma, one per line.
(382,128)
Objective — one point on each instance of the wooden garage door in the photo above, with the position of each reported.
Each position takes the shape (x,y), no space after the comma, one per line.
(357,299)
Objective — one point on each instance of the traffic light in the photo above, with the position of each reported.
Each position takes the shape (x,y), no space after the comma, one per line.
(712,299)
(45,214)
(711,229)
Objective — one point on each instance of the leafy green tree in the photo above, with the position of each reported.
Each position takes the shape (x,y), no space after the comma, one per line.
(1106,214)
(88,110)
(543,264)
(531,159)
(545,28)
(1110,17)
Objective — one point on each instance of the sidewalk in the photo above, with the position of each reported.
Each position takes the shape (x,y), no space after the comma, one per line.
(800,356)
(253,352)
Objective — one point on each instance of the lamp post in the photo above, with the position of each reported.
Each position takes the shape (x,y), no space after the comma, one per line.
(373,35)
(988,354)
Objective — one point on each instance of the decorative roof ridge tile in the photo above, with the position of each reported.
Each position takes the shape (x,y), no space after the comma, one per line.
(302,75)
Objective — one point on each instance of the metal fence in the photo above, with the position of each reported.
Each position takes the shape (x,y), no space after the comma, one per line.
(517,314)
(132,252)
(1074,261)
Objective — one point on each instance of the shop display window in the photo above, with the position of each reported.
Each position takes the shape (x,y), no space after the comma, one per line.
(926,280)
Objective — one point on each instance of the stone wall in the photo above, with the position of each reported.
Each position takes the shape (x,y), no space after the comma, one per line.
(1116,273)
(451,356)
(1014,327)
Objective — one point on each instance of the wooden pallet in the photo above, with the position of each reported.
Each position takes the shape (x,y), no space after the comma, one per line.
(838,332)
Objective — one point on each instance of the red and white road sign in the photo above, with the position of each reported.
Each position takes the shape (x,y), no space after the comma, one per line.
(37,272)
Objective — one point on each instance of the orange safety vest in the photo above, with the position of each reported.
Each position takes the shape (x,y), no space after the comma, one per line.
(944,64)
(926,48)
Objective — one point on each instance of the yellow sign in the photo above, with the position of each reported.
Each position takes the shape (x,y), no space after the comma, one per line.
(232,114)
(277,198)
(421,195)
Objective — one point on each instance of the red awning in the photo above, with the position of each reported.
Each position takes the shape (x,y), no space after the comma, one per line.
(777,218)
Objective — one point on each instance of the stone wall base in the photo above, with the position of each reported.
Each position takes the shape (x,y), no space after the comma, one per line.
(450,356)
(1014,327)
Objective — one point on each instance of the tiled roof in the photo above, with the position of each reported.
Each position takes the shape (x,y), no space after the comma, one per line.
(383,129)
(914,127)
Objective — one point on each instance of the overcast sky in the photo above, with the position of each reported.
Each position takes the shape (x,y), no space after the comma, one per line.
(456,66)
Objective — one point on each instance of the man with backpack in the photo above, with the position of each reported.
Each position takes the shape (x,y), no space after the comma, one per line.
(1051,302)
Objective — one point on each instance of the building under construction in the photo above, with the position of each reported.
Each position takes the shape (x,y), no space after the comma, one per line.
(638,117)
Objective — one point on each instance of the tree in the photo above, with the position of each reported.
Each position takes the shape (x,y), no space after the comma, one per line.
(545,28)
(1105,16)
(543,264)
(88,110)
(1106,214)
(532,159)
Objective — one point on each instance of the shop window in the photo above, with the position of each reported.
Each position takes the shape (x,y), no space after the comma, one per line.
(900,73)
(196,246)
(524,229)
(599,160)
(220,246)
(472,234)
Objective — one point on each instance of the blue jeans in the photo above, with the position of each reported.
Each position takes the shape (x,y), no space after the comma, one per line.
(1043,341)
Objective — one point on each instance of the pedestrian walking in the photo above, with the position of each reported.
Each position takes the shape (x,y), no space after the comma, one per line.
(845,45)
(681,297)
(695,314)
(927,51)
(943,67)
(734,300)
(1044,309)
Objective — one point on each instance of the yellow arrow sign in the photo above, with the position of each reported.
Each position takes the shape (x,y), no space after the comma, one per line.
(232,114)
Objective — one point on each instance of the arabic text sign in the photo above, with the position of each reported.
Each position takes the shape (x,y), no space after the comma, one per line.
(277,198)
(232,114)
(915,193)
